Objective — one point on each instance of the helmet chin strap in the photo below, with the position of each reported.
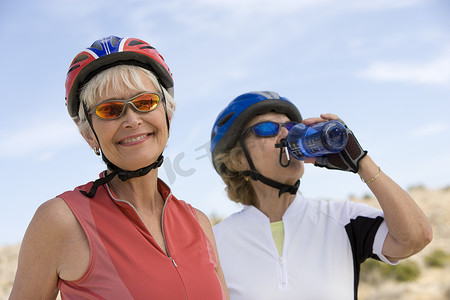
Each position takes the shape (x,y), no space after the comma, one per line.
(255,175)
(122,174)
(283,145)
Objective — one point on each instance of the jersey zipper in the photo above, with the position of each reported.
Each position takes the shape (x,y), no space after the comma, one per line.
(281,264)
(167,248)
(162,230)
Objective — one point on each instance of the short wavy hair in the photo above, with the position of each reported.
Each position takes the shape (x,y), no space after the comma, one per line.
(114,79)
(238,187)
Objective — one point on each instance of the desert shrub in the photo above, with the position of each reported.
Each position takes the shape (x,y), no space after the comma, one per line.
(367,196)
(404,271)
(438,258)
(371,271)
(371,265)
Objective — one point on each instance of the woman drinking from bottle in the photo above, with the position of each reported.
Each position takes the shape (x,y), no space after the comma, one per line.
(283,245)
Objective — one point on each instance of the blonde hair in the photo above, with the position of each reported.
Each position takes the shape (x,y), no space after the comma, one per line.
(115,79)
(238,188)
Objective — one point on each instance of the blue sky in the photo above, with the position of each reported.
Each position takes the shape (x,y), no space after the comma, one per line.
(382,65)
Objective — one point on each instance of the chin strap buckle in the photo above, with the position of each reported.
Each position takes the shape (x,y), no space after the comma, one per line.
(283,145)
(123,175)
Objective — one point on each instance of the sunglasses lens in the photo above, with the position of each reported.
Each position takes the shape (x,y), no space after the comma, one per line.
(113,109)
(109,110)
(266,129)
(146,102)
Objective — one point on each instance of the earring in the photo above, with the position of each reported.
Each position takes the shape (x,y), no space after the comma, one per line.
(247,178)
(96,151)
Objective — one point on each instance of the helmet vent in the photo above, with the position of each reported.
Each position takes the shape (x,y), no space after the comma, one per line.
(73,68)
(79,58)
(225,119)
(135,42)
(97,46)
(114,40)
(147,47)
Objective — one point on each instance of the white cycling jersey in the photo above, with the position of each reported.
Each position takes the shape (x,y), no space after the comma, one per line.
(324,245)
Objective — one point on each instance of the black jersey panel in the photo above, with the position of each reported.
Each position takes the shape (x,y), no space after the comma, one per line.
(361,233)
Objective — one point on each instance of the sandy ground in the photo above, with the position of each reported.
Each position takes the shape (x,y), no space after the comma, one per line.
(433,283)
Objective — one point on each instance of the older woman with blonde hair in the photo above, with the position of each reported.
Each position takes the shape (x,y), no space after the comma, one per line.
(283,245)
(124,235)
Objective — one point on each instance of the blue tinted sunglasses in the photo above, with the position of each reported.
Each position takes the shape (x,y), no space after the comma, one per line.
(268,128)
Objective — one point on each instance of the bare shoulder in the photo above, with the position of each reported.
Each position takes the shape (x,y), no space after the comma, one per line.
(39,256)
(52,222)
(53,219)
(203,220)
(52,228)
(206,225)
(52,237)
(56,207)
(69,241)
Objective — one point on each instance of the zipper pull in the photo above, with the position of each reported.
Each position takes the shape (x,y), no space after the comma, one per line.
(174,263)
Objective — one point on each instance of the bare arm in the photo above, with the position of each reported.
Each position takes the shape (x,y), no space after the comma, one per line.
(409,228)
(207,228)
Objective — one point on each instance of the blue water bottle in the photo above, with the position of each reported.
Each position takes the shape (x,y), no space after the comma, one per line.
(316,140)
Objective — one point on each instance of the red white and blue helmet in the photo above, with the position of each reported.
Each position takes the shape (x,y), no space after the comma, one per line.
(109,52)
(230,123)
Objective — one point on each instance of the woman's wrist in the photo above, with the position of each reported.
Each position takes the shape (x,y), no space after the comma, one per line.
(369,171)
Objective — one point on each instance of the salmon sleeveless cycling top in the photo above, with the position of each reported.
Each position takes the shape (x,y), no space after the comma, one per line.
(127,263)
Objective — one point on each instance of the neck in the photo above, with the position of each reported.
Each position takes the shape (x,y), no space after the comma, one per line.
(142,192)
(268,202)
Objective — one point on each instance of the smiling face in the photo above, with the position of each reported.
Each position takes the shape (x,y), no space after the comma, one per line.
(266,157)
(136,139)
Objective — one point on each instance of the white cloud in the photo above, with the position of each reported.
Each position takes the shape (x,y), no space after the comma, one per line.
(40,141)
(428,130)
(383,4)
(79,9)
(226,18)
(255,7)
(436,71)
(262,6)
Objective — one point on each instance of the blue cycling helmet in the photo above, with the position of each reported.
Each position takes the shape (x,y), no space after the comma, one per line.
(230,123)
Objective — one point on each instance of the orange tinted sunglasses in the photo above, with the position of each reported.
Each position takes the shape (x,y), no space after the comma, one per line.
(113,109)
